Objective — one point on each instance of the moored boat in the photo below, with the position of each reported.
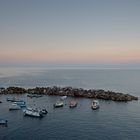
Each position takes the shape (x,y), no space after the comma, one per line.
(13,99)
(3,122)
(63,97)
(32,112)
(95,104)
(44,111)
(58,104)
(34,95)
(21,103)
(72,104)
(14,107)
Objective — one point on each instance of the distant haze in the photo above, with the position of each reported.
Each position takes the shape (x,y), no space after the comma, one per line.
(98,33)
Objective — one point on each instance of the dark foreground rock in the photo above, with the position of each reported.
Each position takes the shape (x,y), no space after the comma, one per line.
(69,91)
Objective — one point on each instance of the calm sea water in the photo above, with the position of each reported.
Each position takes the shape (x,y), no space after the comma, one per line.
(113,121)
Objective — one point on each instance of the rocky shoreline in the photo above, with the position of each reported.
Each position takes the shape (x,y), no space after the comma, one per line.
(70,91)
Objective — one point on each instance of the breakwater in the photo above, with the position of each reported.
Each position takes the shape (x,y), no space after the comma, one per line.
(70,91)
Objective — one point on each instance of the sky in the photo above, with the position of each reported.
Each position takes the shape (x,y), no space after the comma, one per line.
(70,32)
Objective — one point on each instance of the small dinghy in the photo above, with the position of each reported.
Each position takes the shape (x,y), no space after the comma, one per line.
(95,105)
(13,99)
(14,107)
(44,111)
(3,122)
(58,104)
(72,104)
(21,103)
(63,97)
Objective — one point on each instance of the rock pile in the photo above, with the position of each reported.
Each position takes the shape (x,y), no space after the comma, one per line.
(69,91)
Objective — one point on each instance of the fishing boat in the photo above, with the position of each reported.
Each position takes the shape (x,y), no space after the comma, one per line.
(3,122)
(95,105)
(21,103)
(33,112)
(58,104)
(72,104)
(14,107)
(13,99)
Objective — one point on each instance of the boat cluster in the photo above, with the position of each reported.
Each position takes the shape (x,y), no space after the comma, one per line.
(40,112)
(28,111)
(72,104)
(60,103)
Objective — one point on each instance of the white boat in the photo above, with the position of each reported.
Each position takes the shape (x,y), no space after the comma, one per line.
(95,105)
(14,107)
(63,97)
(58,104)
(32,112)
(72,104)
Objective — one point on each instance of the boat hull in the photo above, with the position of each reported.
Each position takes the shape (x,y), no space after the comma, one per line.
(35,116)
(95,105)
(33,113)
(21,104)
(3,122)
(57,106)
(95,108)
(72,104)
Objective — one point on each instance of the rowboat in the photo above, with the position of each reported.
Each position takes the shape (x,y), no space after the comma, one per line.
(95,104)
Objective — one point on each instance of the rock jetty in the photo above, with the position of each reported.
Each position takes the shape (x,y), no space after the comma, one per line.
(70,91)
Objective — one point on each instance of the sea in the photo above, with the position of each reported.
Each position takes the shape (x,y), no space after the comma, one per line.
(112,121)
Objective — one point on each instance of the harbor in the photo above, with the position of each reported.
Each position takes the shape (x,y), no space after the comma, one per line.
(62,94)
(76,119)
(73,111)
(33,107)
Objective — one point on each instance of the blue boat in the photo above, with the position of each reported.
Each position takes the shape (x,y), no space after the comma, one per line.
(13,99)
(21,103)
(14,107)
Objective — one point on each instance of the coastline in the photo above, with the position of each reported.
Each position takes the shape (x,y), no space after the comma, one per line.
(73,92)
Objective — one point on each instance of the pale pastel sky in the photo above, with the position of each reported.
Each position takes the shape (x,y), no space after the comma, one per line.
(35,32)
